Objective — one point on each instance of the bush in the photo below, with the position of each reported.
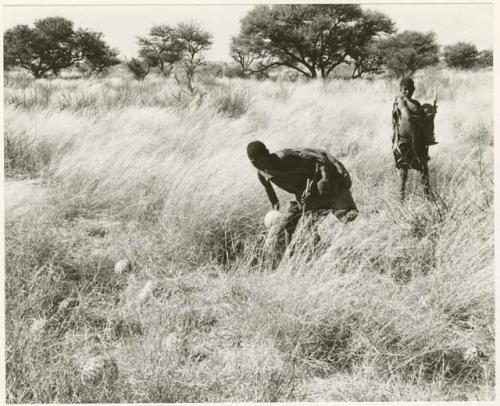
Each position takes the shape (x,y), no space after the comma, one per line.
(139,68)
(409,51)
(485,58)
(461,55)
(231,101)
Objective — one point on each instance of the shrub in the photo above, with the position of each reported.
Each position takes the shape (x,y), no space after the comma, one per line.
(461,55)
(231,101)
(139,68)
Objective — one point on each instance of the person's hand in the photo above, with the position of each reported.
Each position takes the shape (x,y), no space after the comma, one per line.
(323,187)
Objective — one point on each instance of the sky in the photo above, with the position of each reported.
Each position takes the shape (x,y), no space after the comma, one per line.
(121,24)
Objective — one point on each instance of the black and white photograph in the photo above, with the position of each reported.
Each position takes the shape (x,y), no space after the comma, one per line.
(248,201)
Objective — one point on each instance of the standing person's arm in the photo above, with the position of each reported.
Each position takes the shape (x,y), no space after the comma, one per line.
(414,112)
(403,108)
(271,194)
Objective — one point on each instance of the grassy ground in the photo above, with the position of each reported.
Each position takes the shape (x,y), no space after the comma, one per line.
(398,305)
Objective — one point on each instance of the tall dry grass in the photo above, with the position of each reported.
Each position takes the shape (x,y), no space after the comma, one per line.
(389,307)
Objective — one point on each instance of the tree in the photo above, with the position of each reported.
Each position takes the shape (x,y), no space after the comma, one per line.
(311,39)
(139,68)
(461,55)
(409,51)
(364,54)
(193,42)
(485,58)
(53,45)
(367,59)
(161,48)
(93,50)
(241,54)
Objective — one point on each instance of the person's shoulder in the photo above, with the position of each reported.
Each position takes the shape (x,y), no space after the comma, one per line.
(294,156)
(301,153)
(287,153)
(416,102)
(399,101)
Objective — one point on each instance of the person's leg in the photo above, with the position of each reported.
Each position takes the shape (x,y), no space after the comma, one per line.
(425,181)
(291,219)
(403,173)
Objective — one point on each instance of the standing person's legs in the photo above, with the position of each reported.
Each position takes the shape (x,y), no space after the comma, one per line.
(425,181)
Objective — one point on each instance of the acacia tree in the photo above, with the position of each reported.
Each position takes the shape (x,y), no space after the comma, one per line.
(409,51)
(250,61)
(485,58)
(193,42)
(239,53)
(139,68)
(53,45)
(364,54)
(180,49)
(311,39)
(367,59)
(161,48)
(461,55)
(95,53)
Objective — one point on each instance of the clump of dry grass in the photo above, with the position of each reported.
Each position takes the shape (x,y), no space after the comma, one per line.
(384,308)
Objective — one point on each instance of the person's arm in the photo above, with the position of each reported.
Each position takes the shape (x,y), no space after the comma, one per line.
(271,194)
(323,183)
(414,112)
(403,108)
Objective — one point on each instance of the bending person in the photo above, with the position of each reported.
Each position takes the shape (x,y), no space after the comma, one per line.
(319,182)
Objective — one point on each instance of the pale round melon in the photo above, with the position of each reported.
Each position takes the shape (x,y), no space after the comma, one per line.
(273,218)
(97,368)
(123,266)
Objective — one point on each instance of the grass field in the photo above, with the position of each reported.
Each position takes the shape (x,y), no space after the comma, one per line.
(398,305)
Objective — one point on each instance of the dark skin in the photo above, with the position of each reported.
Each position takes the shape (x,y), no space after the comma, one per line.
(411,110)
(317,181)
(409,107)
(289,173)
(268,162)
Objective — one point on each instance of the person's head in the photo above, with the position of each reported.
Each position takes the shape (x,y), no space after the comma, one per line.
(407,87)
(259,155)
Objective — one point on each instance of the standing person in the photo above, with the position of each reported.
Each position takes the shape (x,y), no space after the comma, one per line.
(319,182)
(410,109)
(413,133)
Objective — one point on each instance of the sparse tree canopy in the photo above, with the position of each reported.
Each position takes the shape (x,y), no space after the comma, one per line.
(94,51)
(367,59)
(161,48)
(485,58)
(364,53)
(139,68)
(193,42)
(461,55)
(409,51)
(311,39)
(53,45)
(182,48)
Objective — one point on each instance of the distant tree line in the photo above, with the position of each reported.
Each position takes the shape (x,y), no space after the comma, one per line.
(314,39)
(179,50)
(304,39)
(310,39)
(53,44)
(465,55)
